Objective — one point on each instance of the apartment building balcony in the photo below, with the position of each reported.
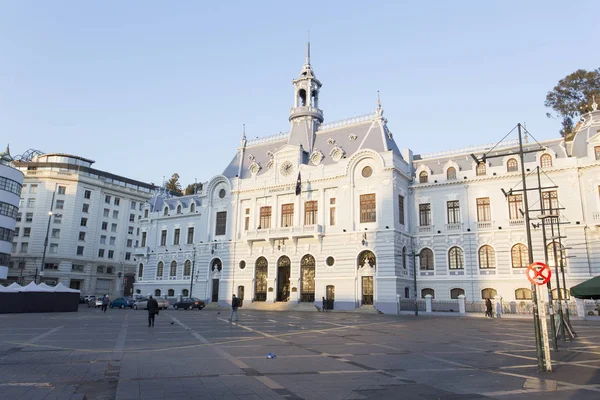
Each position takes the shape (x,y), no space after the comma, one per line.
(290,232)
(516,223)
(454,227)
(483,225)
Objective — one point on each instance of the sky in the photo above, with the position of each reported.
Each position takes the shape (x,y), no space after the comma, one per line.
(149,88)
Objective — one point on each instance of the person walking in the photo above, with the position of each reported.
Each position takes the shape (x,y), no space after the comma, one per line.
(235,303)
(488,308)
(152,310)
(324,304)
(105,302)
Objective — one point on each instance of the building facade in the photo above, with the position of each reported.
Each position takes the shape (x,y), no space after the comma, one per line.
(337,211)
(11,182)
(76,225)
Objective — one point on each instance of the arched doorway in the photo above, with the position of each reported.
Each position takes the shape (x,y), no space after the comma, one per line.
(215,266)
(366,265)
(307,273)
(261,273)
(283,278)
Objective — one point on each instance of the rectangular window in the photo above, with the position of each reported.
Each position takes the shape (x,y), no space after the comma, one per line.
(453,212)
(117,201)
(78,267)
(483,209)
(176,236)
(551,202)
(26,232)
(401,209)
(24,247)
(57,218)
(129,242)
(87,194)
(597,152)
(115,214)
(265,218)
(247,220)
(367,208)
(190,235)
(221,223)
(129,230)
(112,240)
(127,256)
(83,222)
(143,239)
(55,233)
(310,212)
(133,205)
(107,199)
(104,225)
(19,217)
(62,189)
(332,211)
(33,189)
(113,228)
(81,236)
(163,238)
(60,204)
(31,203)
(100,269)
(425,214)
(131,217)
(287,215)
(29,217)
(85,208)
(106,213)
(103,239)
(17,231)
(100,252)
(111,254)
(53,248)
(515,204)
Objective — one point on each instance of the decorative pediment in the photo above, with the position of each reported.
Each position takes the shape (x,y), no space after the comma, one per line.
(254,168)
(316,157)
(337,153)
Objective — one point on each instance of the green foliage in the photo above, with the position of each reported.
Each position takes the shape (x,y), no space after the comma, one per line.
(193,188)
(572,96)
(173,184)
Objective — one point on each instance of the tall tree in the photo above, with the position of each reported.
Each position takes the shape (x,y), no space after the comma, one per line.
(572,96)
(173,184)
(193,188)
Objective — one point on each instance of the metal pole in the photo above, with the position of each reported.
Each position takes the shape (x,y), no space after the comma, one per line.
(536,320)
(558,288)
(192,277)
(415,281)
(562,271)
(548,285)
(47,233)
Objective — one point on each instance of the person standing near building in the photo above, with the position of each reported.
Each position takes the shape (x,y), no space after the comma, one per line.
(324,304)
(235,303)
(152,310)
(488,308)
(105,302)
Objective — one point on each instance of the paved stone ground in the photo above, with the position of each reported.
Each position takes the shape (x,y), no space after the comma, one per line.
(199,355)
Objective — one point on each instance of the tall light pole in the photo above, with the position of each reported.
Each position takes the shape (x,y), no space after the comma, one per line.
(50,213)
(414,256)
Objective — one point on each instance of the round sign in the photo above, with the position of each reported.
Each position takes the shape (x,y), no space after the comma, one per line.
(539,273)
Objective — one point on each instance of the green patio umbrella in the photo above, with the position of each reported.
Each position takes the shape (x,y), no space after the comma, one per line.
(589,289)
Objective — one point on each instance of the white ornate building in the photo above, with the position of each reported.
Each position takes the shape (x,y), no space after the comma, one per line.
(11,181)
(364,212)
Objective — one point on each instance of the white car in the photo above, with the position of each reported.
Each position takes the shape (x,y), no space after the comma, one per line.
(142,303)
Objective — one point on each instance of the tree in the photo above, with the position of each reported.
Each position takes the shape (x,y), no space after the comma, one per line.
(193,188)
(173,184)
(572,96)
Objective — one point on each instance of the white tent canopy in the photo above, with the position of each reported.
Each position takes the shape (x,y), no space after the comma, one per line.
(32,287)
(62,288)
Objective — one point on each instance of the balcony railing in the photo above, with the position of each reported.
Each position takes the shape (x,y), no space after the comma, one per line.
(454,227)
(516,222)
(426,229)
(596,216)
(284,233)
(485,225)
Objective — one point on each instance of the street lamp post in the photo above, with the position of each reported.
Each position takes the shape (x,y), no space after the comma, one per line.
(414,256)
(193,268)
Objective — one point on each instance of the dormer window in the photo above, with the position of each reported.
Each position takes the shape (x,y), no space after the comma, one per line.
(512,165)
(192,207)
(179,209)
(546,161)
(451,173)
(166,211)
(480,170)
(597,152)
(423,177)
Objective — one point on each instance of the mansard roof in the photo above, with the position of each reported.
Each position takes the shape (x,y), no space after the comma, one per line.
(351,135)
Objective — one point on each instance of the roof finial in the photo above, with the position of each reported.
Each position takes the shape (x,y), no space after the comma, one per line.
(244,132)
(308,51)
(594,105)
(379,108)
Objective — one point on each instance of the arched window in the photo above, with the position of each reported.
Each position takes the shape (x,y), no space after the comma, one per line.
(451,173)
(307,274)
(455,258)
(488,293)
(192,207)
(404,257)
(565,294)
(481,169)
(171,293)
(561,254)
(185,293)
(426,291)
(140,271)
(157,292)
(487,257)
(406,292)
(546,161)
(187,268)
(523,294)
(423,177)
(426,260)
(216,265)
(454,293)
(512,165)
(178,208)
(173,271)
(160,268)
(519,256)
(261,273)
(166,211)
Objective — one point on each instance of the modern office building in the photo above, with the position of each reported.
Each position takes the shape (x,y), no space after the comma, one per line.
(11,181)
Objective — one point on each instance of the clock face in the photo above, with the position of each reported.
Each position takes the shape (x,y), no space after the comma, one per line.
(286,168)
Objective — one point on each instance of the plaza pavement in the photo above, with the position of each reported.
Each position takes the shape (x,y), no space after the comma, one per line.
(199,355)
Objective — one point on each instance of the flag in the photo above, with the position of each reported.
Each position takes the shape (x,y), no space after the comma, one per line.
(298,185)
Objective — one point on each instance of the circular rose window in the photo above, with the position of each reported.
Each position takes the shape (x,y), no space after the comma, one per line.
(330,261)
(367,172)
(242,264)
(222,193)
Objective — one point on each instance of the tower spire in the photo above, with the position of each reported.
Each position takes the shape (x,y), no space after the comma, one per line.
(308,52)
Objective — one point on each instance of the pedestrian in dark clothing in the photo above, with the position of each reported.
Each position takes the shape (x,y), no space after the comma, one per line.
(324,305)
(488,308)
(105,302)
(235,303)
(152,310)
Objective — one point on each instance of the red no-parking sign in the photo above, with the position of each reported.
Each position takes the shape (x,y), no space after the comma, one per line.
(539,273)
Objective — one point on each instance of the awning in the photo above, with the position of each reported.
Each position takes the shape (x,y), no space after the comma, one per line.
(589,289)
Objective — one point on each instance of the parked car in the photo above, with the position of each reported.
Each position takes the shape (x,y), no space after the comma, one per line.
(142,303)
(95,302)
(189,303)
(121,302)
(86,299)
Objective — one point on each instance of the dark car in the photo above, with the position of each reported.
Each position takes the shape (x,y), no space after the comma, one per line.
(121,303)
(189,303)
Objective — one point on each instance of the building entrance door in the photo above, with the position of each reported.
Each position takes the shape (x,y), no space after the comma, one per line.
(215,290)
(283,279)
(367,290)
